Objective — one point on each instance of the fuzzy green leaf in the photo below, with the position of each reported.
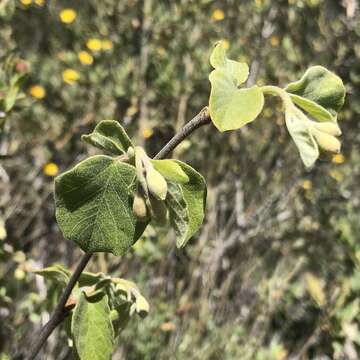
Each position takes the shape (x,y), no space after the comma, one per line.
(56,272)
(322,87)
(94,205)
(92,329)
(109,136)
(312,108)
(186,204)
(230,107)
(302,136)
(170,170)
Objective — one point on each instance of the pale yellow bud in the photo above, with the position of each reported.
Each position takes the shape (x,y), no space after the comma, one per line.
(142,306)
(130,152)
(327,142)
(139,207)
(329,128)
(156,183)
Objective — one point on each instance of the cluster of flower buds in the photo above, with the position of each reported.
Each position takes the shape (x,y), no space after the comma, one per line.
(324,134)
(151,188)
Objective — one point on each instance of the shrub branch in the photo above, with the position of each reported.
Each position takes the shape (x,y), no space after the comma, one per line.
(60,312)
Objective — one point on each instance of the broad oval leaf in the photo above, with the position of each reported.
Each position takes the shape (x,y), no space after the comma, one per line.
(94,205)
(302,136)
(322,87)
(186,204)
(92,329)
(230,107)
(109,136)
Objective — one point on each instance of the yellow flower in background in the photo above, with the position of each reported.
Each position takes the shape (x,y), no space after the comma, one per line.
(94,44)
(51,169)
(307,185)
(274,41)
(70,76)
(40,2)
(85,58)
(107,44)
(218,15)
(26,2)
(37,91)
(338,159)
(148,133)
(225,44)
(67,16)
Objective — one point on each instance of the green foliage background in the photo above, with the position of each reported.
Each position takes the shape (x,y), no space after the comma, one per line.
(275,271)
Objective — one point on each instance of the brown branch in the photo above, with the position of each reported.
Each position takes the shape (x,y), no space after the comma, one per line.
(202,118)
(60,311)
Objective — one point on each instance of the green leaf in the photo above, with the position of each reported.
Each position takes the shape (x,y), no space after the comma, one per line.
(186,204)
(94,205)
(110,136)
(230,107)
(178,212)
(312,108)
(57,273)
(322,87)
(301,134)
(237,70)
(170,170)
(90,279)
(91,328)
(11,98)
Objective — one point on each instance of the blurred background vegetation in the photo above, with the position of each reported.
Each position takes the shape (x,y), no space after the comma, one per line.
(275,272)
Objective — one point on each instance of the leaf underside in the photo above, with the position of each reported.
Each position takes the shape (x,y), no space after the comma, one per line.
(91,328)
(322,87)
(186,203)
(109,136)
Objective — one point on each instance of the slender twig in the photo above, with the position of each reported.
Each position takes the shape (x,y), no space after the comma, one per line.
(60,312)
(202,118)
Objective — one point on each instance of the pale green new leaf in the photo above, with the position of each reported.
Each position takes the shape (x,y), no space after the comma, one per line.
(322,87)
(230,107)
(92,329)
(301,134)
(57,273)
(94,205)
(109,136)
(312,108)
(186,204)
(170,170)
(237,70)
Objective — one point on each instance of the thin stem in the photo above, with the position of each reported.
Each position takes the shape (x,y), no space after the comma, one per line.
(202,118)
(60,311)
(275,90)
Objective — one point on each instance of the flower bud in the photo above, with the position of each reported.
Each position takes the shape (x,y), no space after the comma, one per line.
(130,152)
(156,183)
(142,306)
(139,207)
(326,141)
(328,127)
